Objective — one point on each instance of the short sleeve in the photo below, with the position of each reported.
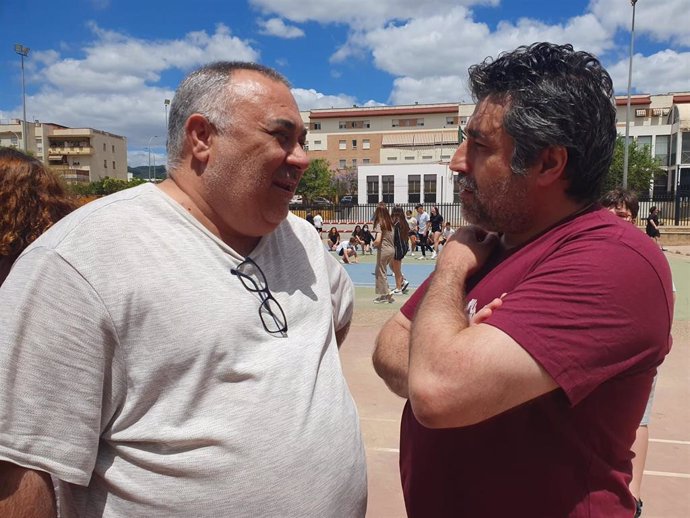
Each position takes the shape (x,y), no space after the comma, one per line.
(342,292)
(586,316)
(56,354)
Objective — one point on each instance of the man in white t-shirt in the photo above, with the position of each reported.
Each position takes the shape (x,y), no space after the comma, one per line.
(423,227)
(318,223)
(347,250)
(187,366)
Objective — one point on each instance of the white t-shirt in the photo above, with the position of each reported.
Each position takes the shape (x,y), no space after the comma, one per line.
(136,370)
(318,221)
(422,221)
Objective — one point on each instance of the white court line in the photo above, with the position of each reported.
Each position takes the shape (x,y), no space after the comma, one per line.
(669,441)
(666,474)
(385,450)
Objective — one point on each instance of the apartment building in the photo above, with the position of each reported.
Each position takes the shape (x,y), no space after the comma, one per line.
(401,153)
(76,154)
(662,123)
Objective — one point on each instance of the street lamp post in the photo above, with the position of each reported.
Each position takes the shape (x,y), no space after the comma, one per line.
(23,52)
(627,111)
(166,103)
(149,147)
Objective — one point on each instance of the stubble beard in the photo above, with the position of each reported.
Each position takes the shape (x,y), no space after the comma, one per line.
(499,208)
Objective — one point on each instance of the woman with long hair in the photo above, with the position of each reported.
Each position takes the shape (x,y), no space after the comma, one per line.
(385,250)
(401,231)
(333,239)
(32,200)
(436,221)
(367,239)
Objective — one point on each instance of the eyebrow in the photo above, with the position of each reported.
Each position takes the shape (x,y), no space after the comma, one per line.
(291,126)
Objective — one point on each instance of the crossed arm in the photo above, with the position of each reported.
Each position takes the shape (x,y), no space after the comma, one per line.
(454,373)
(25,493)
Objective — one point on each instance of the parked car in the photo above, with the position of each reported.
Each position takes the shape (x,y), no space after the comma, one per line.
(348,200)
(296,199)
(320,201)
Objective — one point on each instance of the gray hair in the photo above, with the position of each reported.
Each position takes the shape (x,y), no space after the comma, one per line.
(205,91)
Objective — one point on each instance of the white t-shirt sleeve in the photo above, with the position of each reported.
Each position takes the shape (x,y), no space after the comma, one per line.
(56,342)
(342,292)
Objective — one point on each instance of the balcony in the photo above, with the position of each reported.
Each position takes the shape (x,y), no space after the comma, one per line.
(72,174)
(70,150)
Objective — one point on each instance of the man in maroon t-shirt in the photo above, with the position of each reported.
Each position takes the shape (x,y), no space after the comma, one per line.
(531,412)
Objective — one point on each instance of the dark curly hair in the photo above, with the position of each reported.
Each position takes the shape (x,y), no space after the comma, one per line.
(621,197)
(32,199)
(555,97)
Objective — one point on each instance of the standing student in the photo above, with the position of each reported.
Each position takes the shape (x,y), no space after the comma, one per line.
(423,227)
(401,231)
(385,252)
(534,410)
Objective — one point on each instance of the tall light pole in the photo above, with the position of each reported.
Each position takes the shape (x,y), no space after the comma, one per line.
(149,146)
(627,111)
(23,52)
(166,103)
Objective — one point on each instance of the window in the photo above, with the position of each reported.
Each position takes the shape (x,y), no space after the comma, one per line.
(103,146)
(456,189)
(372,189)
(445,157)
(427,157)
(342,144)
(429,188)
(413,188)
(661,149)
(314,125)
(354,162)
(366,161)
(685,148)
(342,163)
(388,182)
(645,141)
(409,158)
(405,123)
(113,164)
(366,144)
(317,142)
(113,151)
(391,158)
(354,143)
(353,124)
(105,163)
(452,121)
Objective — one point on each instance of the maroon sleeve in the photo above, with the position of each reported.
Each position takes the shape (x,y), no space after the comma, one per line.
(586,316)
(410,307)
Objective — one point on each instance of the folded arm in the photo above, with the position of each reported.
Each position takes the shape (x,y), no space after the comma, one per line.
(25,493)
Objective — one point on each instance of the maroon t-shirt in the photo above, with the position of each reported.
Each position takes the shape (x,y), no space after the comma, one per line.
(591,301)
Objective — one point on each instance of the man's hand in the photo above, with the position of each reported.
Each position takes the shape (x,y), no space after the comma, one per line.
(467,250)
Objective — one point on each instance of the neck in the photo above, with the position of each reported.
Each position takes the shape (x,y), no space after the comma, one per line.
(196,205)
(565,210)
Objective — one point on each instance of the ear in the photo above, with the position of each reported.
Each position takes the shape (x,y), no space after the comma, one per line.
(200,133)
(551,165)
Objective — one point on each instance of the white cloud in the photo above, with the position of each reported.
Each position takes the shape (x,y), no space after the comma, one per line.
(309,99)
(114,86)
(276,27)
(663,72)
(437,89)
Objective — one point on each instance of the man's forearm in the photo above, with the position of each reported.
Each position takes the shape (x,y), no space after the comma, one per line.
(25,493)
(391,356)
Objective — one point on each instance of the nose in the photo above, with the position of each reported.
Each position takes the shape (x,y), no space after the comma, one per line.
(298,158)
(459,161)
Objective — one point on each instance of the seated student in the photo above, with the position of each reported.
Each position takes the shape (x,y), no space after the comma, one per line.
(358,235)
(367,239)
(333,239)
(445,235)
(347,251)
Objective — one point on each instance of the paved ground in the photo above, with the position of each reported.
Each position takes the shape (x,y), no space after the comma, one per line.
(666,485)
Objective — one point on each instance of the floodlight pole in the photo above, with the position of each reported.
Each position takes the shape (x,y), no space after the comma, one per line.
(149,146)
(627,111)
(23,52)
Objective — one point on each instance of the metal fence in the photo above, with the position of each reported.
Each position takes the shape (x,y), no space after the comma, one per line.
(674,210)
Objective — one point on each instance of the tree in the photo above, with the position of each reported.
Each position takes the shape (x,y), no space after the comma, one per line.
(642,167)
(345,181)
(317,180)
(104,187)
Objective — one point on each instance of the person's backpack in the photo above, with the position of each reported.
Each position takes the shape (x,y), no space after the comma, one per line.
(399,243)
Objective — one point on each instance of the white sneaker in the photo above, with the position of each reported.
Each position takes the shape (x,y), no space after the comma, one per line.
(433,256)
(421,258)
(405,284)
(396,291)
(381,299)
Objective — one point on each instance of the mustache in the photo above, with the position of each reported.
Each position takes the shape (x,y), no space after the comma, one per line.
(466,183)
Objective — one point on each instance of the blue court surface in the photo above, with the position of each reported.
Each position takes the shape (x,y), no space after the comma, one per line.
(362,274)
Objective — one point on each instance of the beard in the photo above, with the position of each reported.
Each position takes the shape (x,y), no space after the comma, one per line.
(500,206)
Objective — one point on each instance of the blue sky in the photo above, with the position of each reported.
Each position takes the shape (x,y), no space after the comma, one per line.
(109,64)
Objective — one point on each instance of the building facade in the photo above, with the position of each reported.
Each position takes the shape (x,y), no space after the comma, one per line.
(401,153)
(76,154)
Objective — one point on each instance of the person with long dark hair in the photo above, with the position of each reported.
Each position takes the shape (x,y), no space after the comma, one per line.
(436,222)
(401,231)
(385,251)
